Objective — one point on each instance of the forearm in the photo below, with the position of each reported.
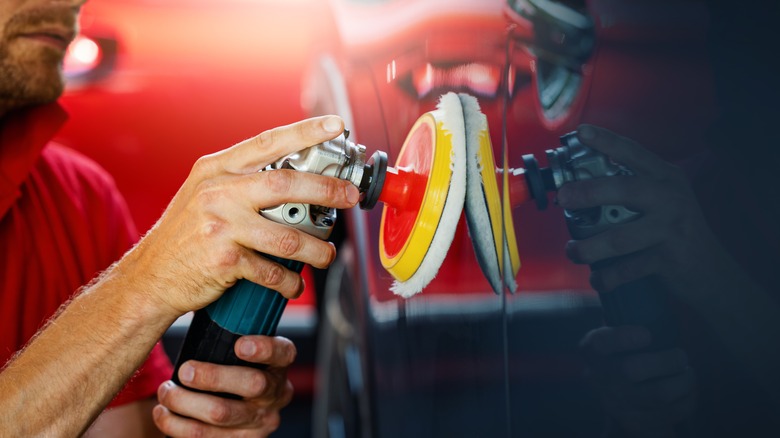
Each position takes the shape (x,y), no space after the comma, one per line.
(73,368)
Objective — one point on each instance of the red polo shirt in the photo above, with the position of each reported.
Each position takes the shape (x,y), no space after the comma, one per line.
(62,221)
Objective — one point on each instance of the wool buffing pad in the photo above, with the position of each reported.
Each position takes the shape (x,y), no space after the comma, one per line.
(423,198)
(488,214)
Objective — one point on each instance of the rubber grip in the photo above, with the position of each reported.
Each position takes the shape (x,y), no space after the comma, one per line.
(642,302)
(245,308)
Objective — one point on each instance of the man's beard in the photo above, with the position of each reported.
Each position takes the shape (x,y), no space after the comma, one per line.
(29,78)
(28,83)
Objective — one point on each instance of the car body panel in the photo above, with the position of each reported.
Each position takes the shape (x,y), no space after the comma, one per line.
(458,359)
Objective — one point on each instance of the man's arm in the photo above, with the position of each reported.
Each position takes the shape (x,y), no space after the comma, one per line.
(132,420)
(209,237)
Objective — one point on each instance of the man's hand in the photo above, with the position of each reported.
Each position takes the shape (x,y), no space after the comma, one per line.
(183,413)
(671,239)
(211,234)
(646,394)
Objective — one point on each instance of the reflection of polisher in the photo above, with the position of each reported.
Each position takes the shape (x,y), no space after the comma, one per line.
(423,196)
(641,302)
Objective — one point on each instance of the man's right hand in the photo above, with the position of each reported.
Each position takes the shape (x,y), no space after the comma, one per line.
(646,394)
(211,234)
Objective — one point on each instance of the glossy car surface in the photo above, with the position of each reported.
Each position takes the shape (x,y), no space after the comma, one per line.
(458,359)
(176,79)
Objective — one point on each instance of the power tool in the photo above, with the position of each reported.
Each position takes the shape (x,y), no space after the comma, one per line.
(423,199)
(641,302)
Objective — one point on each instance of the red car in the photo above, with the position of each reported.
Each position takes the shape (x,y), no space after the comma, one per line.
(164,82)
(459,359)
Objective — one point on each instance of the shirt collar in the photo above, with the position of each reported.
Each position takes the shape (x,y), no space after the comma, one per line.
(23,135)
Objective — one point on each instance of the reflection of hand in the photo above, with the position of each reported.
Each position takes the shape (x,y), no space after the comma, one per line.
(211,234)
(646,394)
(667,240)
(256,414)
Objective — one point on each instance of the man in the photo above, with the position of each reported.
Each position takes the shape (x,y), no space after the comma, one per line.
(62,221)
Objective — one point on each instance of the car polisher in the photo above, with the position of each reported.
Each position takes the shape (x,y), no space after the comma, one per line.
(495,249)
(641,302)
(423,198)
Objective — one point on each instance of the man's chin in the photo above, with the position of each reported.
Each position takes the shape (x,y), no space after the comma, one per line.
(32,91)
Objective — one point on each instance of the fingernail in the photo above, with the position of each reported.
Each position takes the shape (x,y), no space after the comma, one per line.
(352,194)
(247,348)
(586,132)
(157,412)
(187,373)
(332,124)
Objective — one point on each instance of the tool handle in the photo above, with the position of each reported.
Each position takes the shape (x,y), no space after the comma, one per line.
(642,302)
(245,308)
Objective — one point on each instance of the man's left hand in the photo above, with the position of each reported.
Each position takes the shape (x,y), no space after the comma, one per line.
(264,393)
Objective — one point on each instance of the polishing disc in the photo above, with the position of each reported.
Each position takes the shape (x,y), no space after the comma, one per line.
(488,215)
(416,234)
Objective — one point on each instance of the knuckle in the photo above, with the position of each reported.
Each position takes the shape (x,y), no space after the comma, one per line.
(327,255)
(266,139)
(257,384)
(205,375)
(203,164)
(219,413)
(196,431)
(213,227)
(289,243)
(334,189)
(228,258)
(273,275)
(279,181)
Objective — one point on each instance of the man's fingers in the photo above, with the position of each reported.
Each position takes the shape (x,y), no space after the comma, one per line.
(635,192)
(257,152)
(621,240)
(177,426)
(239,380)
(263,271)
(271,188)
(646,366)
(208,408)
(664,391)
(276,352)
(623,150)
(607,341)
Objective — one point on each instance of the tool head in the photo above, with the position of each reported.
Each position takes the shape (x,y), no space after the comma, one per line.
(488,214)
(416,232)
